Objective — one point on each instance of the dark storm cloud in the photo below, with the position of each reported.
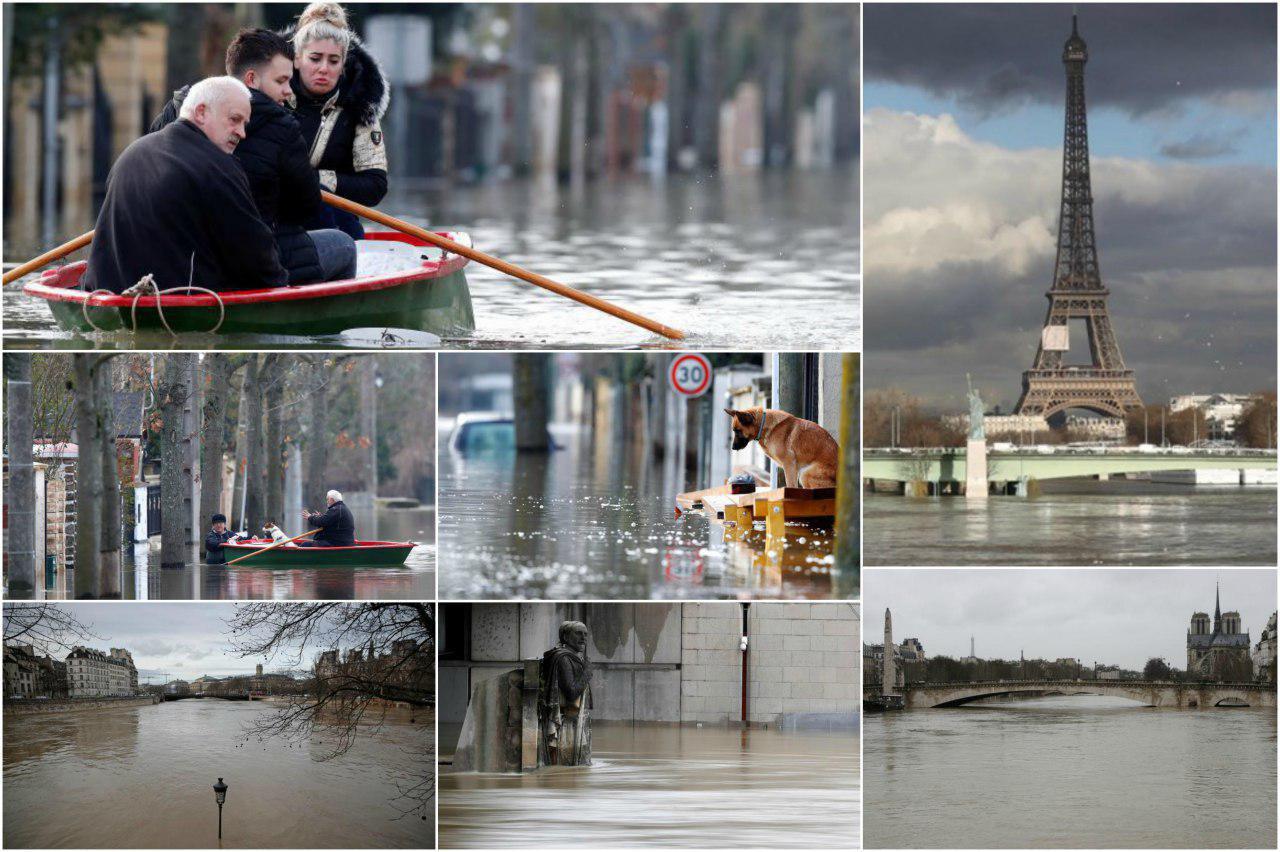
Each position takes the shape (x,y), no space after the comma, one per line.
(1202,146)
(1143,58)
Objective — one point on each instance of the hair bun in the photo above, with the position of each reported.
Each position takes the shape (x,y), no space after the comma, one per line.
(331,13)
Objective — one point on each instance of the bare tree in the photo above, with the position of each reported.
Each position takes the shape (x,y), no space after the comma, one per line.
(50,627)
(88,480)
(353,697)
(217,380)
(111,533)
(254,498)
(274,446)
(172,393)
(20,540)
(317,417)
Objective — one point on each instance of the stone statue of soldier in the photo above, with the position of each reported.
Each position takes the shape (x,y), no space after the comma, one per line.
(977,431)
(564,700)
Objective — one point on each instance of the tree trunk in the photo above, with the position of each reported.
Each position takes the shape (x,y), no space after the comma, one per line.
(216,380)
(524,28)
(109,548)
(706,131)
(675,25)
(255,479)
(88,570)
(369,422)
(173,395)
(531,400)
(241,446)
(20,496)
(191,409)
(317,433)
(849,481)
(274,447)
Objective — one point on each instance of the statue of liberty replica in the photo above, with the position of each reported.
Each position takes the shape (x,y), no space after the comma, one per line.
(564,700)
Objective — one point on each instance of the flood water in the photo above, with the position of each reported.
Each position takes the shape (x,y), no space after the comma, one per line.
(737,262)
(1080,771)
(141,777)
(1077,523)
(595,521)
(144,579)
(667,786)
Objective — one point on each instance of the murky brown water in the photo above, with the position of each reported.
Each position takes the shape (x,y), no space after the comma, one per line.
(593,520)
(1078,771)
(667,786)
(142,578)
(737,262)
(142,777)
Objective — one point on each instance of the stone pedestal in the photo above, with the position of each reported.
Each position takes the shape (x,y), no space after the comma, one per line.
(975,464)
(500,731)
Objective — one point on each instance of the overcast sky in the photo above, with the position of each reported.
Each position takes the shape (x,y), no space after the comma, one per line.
(1113,616)
(962,169)
(185,640)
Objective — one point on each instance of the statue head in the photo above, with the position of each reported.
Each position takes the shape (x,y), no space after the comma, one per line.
(573,635)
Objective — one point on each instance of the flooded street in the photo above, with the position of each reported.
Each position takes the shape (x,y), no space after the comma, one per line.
(594,521)
(666,786)
(135,777)
(1080,523)
(144,579)
(737,262)
(1080,771)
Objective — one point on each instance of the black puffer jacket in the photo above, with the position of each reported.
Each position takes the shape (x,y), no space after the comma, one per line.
(343,131)
(285,187)
(173,196)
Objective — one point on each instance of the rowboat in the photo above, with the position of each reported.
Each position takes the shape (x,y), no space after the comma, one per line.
(363,554)
(401,282)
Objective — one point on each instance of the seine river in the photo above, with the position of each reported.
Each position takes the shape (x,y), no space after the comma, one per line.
(666,786)
(737,262)
(142,777)
(1077,523)
(1080,771)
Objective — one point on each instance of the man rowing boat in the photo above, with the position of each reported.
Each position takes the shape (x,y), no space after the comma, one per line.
(178,206)
(337,524)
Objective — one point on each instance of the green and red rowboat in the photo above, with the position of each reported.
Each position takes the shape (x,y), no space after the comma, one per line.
(363,554)
(403,282)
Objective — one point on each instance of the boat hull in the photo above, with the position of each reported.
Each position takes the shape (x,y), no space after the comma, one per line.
(363,555)
(433,297)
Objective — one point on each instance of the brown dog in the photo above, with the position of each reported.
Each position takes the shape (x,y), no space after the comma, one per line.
(807,454)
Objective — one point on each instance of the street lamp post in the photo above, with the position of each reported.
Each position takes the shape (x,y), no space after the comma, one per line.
(220,793)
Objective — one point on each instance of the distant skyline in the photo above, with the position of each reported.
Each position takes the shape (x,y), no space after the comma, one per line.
(1114,616)
(185,640)
(963,161)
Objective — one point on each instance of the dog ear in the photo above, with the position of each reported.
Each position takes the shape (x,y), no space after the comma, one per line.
(730,412)
(746,418)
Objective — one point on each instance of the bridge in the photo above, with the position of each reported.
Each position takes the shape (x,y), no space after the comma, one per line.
(1008,465)
(1150,693)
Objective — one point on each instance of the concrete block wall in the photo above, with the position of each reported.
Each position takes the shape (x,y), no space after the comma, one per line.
(711,670)
(804,658)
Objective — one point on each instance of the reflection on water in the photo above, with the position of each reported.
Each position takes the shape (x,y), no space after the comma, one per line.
(1082,771)
(141,777)
(594,521)
(144,579)
(667,786)
(1077,523)
(740,262)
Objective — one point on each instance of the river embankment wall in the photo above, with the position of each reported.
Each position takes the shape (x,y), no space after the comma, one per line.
(27,707)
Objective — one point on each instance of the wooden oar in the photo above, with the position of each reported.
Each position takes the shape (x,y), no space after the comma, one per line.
(273,546)
(48,257)
(502,266)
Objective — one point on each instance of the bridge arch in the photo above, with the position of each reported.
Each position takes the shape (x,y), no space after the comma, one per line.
(1146,693)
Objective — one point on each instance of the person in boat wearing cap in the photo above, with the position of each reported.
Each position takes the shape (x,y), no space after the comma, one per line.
(178,206)
(218,536)
(285,186)
(339,97)
(337,524)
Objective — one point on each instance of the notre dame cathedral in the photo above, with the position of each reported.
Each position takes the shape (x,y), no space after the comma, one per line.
(1222,655)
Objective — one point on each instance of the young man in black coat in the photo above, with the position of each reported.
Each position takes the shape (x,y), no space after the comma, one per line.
(275,157)
(337,524)
(217,537)
(178,206)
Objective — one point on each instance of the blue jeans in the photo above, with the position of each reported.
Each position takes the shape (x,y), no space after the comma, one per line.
(337,253)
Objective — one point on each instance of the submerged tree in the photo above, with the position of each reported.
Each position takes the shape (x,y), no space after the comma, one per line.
(390,660)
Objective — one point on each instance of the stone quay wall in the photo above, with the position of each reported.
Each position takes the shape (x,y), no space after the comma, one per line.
(28,707)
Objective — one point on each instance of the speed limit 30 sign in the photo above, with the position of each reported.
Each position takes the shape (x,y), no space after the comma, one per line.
(690,374)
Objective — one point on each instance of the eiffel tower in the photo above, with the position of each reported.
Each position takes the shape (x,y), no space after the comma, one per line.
(1105,386)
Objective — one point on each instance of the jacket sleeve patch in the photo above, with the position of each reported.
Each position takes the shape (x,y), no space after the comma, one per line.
(368,151)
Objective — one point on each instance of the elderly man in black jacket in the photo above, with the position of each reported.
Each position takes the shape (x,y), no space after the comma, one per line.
(337,525)
(275,157)
(178,206)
